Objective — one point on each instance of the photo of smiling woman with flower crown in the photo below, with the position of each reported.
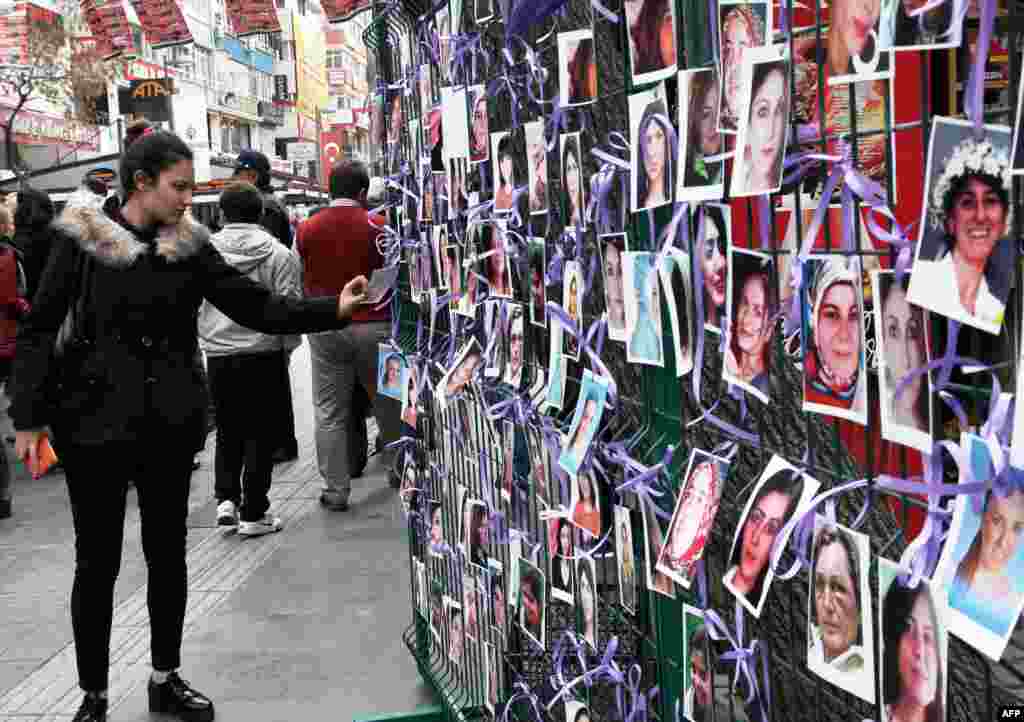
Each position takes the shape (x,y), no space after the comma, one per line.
(964,261)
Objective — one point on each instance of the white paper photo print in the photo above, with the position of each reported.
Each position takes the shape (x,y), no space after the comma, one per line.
(577,68)
(763,123)
(642,288)
(701,173)
(742,25)
(752,321)
(654,149)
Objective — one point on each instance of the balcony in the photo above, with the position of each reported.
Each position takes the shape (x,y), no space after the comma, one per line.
(228,101)
(255,59)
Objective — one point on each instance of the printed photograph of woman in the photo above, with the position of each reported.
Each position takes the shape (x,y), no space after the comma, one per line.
(699,702)
(657,581)
(852,48)
(654,149)
(577,68)
(420,592)
(508,443)
(514,338)
(426,88)
(497,596)
(935,28)
(456,632)
(458,197)
(835,381)
(558,368)
(902,346)
(427,186)
(627,559)
(981,573)
(469,605)
(964,260)
(437,613)
(781,490)
(538,285)
(499,270)
(436,527)
(560,541)
(409,488)
(537,166)
(504,171)
(612,249)
(913,668)
(700,179)
(412,259)
(410,396)
(391,371)
(742,26)
(479,136)
(690,528)
(532,601)
(652,41)
(468,300)
(761,144)
(574,199)
(461,373)
(586,506)
(572,302)
(539,465)
(643,310)
(840,637)
(453,271)
(751,321)
(586,576)
(440,243)
(477,533)
(440,194)
(585,421)
(675,276)
(712,257)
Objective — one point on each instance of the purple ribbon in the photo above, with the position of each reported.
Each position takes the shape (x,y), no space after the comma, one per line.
(523,693)
(974,94)
(743,657)
(602,183)
(526,13)
(595,332)
(641,483)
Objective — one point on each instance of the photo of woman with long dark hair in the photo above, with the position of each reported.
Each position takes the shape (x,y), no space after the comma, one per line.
(751,321)
(479,136)
(652,41)
(758,168)
(654,151)
(499,271)
(578,68)
(587,588)
(562,559)
(504,171)
(573,182)
(699,92)
(712,256)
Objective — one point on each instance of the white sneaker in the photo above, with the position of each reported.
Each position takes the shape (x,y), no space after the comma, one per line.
(267,525)
(227,513)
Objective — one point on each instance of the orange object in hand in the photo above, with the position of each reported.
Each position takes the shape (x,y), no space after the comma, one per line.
(46,457)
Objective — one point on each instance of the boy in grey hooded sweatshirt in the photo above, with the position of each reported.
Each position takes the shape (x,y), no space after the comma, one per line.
(243,362)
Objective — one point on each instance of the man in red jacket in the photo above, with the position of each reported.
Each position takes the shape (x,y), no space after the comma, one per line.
(336,245)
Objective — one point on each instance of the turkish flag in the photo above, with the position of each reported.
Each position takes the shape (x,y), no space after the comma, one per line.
(330,151)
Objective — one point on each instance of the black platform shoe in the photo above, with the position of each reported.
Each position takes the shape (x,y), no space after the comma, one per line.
(93,709)
(176,697)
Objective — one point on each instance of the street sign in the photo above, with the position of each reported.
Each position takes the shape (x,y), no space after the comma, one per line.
(302,151)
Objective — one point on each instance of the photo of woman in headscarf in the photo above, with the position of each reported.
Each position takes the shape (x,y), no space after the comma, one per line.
(627,559)
(900,335)
(652,41)
(479,136)
(742,27)
(964,261)
(758,168)
(834,377)
(699,92)
(612,249)
(588,600)
(504,171)
(751,321)
(839,633)
(690,528)
(562,560)
(643,310)
(578,68)
(913,649)
(573,182)
(654,150)
(775,500)
(712,257)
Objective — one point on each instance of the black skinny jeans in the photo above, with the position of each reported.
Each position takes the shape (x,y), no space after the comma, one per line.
(246,438)
(98,477)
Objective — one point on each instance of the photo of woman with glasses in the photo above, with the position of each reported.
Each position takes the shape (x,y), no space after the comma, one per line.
(779,493)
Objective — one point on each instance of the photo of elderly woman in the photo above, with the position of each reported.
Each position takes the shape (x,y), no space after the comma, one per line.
(504,171)
(652,40)
(532,601)
(461,372)
(751,321)
(835,380)
(515,356)
(900,29)
(574,184)
(572,302)
(742,25)
(964,260)
(654,149)
(495,258)
(913,668)
(643,310)
(982,568)
(538,260)
(577,68)
(561,555)
(764,122)
(696,509)
(537,166)
(585,421)
(780,491)
(840,637)
(711,258)
(390,371)
(612,248)
(700,179)
(901,346)
(627,558)
(586,575)
(657,581)
(479,136)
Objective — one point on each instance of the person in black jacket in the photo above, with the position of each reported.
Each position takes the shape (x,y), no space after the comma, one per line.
(130,401)
(32,216)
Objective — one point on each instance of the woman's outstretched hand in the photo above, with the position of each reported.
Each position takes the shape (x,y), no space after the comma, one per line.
(351,296)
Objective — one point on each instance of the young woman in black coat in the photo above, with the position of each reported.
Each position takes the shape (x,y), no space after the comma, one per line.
(32,218)
(131,403)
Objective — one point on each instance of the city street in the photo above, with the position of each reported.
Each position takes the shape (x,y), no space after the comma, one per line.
(303,625)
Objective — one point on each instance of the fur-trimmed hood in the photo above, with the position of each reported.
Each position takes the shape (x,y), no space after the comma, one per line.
(114,245)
